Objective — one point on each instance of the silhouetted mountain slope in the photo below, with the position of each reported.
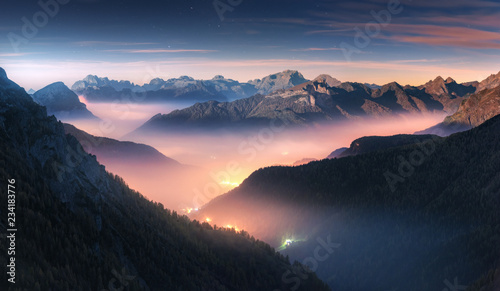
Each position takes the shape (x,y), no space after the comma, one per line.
(145,169)
(407,218)
(107,149)
(472,112)
(61,102)
(336,153)
(375,143)
(81,228)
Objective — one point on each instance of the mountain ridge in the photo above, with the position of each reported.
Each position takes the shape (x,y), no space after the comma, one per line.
(472,112)
(315,101)
(442,206)
(81,224)
(62,102)
(185,88)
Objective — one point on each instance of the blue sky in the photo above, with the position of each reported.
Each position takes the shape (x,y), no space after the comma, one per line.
(243,39)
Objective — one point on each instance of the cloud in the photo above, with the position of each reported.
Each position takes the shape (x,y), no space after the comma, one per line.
(312,49)
(109,43)
(444,36)
(452,4)
(8,55)
(157,51)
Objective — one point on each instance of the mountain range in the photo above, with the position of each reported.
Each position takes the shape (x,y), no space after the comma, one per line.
(82,228)
(61,102)
(478,108)
(323,99)
(369,144)
(184,88)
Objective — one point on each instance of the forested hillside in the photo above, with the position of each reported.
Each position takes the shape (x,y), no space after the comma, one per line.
(80,228)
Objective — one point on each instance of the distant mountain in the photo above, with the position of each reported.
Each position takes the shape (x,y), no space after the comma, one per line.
(369,144)
(92,81)
(472,112)
(448,92)
(230,88)
(404,218)
(284,80)
(193,91)
(315,101)
(82,226)
(336,153)
(184,88)
(31,91)
(62,102)
(304,161)
(328,80)
(491,82)
(108,150)
(372,86)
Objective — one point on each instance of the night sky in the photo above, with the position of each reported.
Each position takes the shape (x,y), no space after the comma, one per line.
(243,39)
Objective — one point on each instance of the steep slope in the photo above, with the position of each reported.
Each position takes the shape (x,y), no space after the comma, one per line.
(107,149)
(369,144)
(406,218)
(336,153)
(447,92)
(81,228)
(61,102)
(145,169)
(471,113)
(491,82)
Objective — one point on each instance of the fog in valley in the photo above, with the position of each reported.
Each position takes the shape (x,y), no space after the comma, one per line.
(214,162)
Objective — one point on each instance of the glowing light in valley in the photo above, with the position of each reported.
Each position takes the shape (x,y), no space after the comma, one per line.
(189,210)
(232,227)
(208,219)
(229,183)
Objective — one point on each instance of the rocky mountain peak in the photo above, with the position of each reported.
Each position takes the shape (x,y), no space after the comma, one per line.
(391,86)
(328,80)
(436,86)
(438,79)
(6,83)
(156,81)
(93,79)
(449,80)
(489,83)
(218,77)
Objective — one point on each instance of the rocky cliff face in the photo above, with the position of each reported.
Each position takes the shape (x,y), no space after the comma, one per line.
(478,108)
(491,82)
(283,80)
(47,146)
